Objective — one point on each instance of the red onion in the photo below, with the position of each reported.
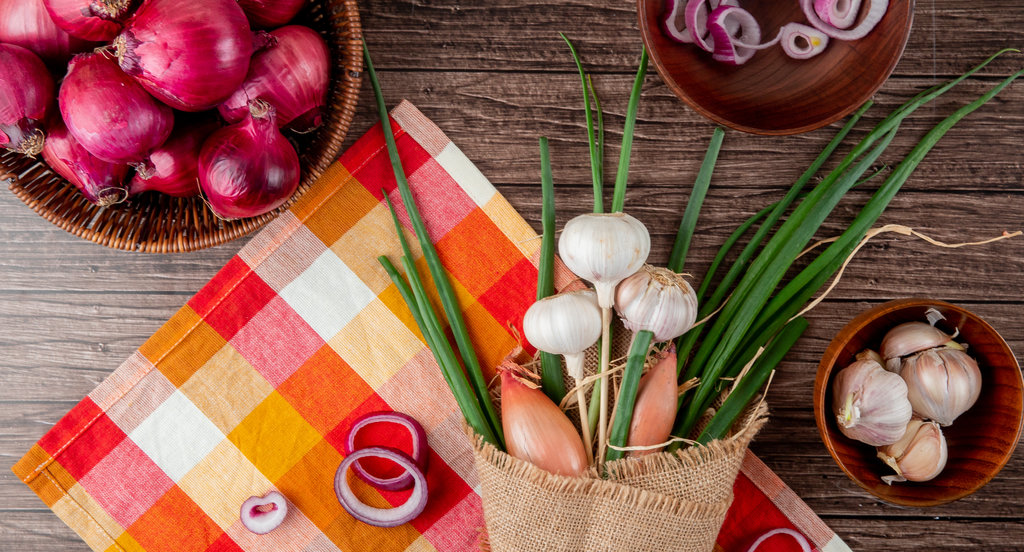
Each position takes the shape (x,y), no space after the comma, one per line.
(98,20)
(382,517)
(874,15)
(263,514)
(737,47)
(110,114)
(800,539)
(175,169)
(291,75)
(838,13)
(27,23)
(271,13)
(27,92)
(802,42)
(191,55)
(248,168)
(696,17)
(419,448)
(101,182)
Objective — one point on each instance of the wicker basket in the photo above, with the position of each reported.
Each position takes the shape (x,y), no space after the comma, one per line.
(156,223)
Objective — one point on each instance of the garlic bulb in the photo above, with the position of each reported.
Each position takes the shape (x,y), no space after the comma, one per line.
(941,383)
(909,338)
(565,324)
(919,456)
(604,249)
(658,300)
(870,403)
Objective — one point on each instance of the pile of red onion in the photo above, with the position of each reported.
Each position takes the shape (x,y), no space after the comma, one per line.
(163,96)
(733,35)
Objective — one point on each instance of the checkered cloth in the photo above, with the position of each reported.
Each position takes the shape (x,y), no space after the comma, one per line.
(253,384)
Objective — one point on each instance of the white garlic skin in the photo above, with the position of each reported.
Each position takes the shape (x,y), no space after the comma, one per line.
(909,338)
(919,456)
(870,403)
(942,383)
(564,324)
(604,249)
(658,300)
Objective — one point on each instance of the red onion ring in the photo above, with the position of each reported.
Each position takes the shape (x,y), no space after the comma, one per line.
(800,539)
(419,448)
(734,47)
(875,13)
(814,41)
(696,17)
(382,517)
(263,514)
(838,13)
(673,9)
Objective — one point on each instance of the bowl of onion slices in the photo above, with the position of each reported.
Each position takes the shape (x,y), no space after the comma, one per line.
(129,153)
(771,67)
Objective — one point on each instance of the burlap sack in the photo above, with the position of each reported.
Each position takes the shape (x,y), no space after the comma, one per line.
(659,502)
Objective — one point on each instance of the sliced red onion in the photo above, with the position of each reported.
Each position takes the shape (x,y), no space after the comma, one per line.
(875,13)
(382,517)
(27,93)
(838,13)
(800,41)
(696,18)
(800,539)
(735,47)
(101,182)
(419,448)
(263,514)
(674,15)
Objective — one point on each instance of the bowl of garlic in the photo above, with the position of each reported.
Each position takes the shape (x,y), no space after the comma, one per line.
(919,401)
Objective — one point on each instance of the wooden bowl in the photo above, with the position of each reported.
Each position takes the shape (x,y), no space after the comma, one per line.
(156,223)
(980,441)
(773,93)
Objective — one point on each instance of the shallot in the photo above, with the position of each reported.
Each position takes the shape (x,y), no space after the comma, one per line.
(27,93)
(26,23)
(190,55)
(291,74)
(249,168)
(98,20)
(175,164)
(271,13)
(382,517)
(101,182)
(109,113)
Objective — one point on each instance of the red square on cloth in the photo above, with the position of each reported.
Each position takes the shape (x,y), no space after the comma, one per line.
(220,312)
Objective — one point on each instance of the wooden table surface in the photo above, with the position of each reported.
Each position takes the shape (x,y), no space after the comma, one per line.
(494,77)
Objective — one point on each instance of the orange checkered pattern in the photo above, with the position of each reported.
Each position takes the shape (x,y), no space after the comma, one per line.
(253,384)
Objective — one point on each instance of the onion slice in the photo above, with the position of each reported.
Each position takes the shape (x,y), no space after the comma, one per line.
(737,46)
(838,13)
(419,448)
(263,514)
(800,41)
(800,539)
(875,13)
(382,517)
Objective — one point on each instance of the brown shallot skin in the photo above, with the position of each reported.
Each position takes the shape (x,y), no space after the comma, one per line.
(655,410)
(536,429)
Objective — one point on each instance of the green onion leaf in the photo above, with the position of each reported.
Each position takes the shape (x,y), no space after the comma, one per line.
(595,158)
(551,365)
(619,198)
(693,205)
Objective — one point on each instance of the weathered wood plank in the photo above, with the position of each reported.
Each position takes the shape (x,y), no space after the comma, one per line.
(522,35)
(36,531)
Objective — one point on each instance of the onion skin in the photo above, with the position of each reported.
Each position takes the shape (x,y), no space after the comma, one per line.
(249,168)
(176,163)
(101,182)
(654,412)
(271,13)
(27,93)
(109,113)
(292,75)
(26,23)
(190,55)
(98,20)
(537,431)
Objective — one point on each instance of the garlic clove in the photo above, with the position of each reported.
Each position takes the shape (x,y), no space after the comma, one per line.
(870,403)
(564,324)
(871,354)
(658,300)
(604,249)
(942,383)
(911,337)
(919,456)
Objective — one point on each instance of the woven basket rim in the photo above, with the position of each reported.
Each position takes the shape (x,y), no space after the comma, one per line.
(155,223)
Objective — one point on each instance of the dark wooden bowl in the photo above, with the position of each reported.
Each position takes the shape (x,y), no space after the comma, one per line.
(157,223)
(980,441)
(772,93)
